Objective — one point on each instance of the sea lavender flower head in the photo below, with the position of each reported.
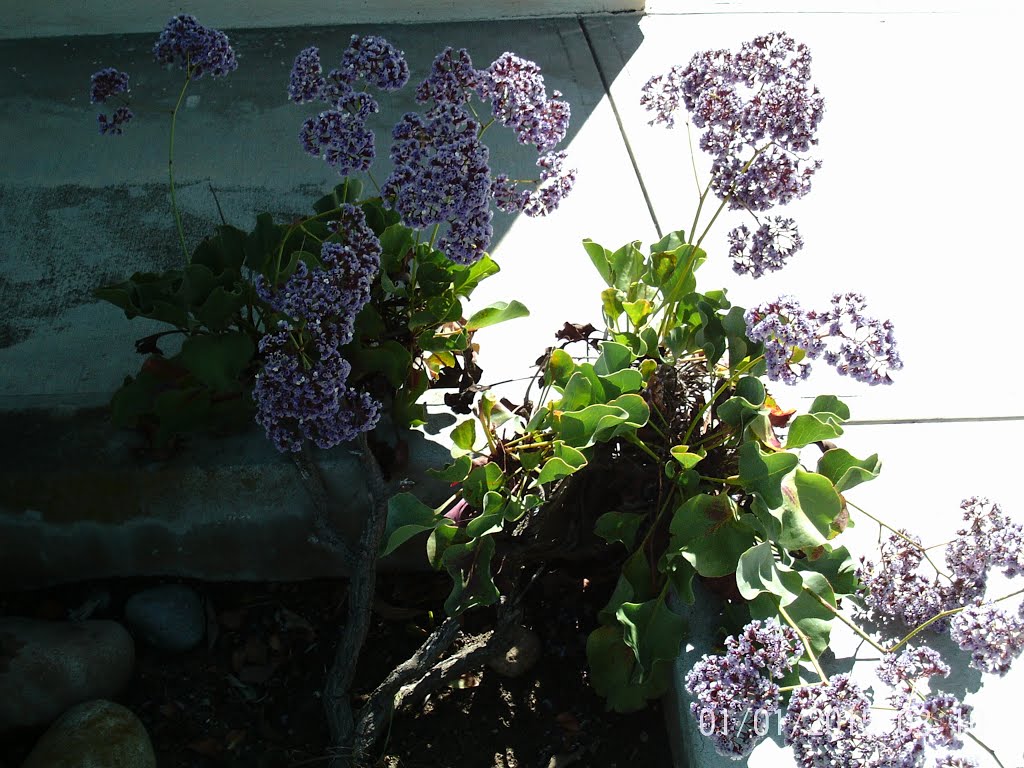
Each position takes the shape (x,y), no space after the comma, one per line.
(894,588)
(757,111)
(515,87)
(993,637)
(827,725)
(114,125)
(307,78)
(854,344)
(730,695)
(340,136)
(186,43)
(106,83)
(452,79)
(991,539)
(902,670)
(767,250)
(376,61)
(768,646)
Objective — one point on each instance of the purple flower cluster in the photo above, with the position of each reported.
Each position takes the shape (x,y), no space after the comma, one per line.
(894,589)
(441,170)
(732,691)
(339,135)
(196,49)
(105,84)
(519,100)
(828,727)
(902,670)
(855,345)
(990,540)
(994,637)
(767,250)
(301,391)
(758,111)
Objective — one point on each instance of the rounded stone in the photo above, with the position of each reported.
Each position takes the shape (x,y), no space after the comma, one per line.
(169,617)
(96,734)
(48,666)
(521,655)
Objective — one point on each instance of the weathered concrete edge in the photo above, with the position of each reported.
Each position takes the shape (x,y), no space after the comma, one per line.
(76,503)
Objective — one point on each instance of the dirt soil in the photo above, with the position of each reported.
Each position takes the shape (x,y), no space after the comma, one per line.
(250,695)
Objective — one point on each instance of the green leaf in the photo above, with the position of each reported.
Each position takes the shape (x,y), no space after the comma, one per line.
(389,358)
(600,421)
(480,480)
(619,526)
(407,517)
(443,536)
(222,308)
(813,619)
(638,311)
(262,244)
(464,435)
(810,428)
(612,672)
(611,303)
(752,390)
(681,453)
(577,394)
(218,360)
(627,265)
(559,368)
(830,404)
(837,566)
(845,471)
(455,472)
(622,382)
(680,574)
(565,461)
(467,279)
(614,357)
(653,632)
(635,585)
(759,572)
(180,411)
(490,519)
(706,532)
(810,505)
(469,565)
(498,312)
(601,259)
(762,472)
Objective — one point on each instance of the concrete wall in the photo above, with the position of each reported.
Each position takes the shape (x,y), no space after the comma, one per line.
(24,18)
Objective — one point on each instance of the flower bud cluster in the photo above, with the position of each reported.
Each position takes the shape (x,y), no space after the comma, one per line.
(855,345)
(442,172)
(731,688)
(197,49)
(339,135)
(767,249)
(302,391)
(107,83)
(757,110)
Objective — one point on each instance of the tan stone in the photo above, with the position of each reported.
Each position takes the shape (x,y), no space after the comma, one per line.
(96,734)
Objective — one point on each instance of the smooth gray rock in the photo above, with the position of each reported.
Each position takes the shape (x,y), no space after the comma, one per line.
(169,617)
(96,734)
(48,666)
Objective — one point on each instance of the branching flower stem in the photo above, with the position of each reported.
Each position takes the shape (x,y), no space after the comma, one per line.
(170,165)
(900,534)
(807,643)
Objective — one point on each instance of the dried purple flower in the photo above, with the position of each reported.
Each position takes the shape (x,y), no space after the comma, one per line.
(827,725)
(731,701)
(196,49)
(376,61)
(515,88)
(115,124)
(768,646)
(895,589)
(757,111)
(106,83)
(555,183)
(993,637)
(341,138)
(990,540)
(307,78)
(297,400)
(452,79)
(902,670)
(768,250)
(854,344)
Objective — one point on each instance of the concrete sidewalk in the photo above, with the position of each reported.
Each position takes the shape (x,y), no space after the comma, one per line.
(912,207)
